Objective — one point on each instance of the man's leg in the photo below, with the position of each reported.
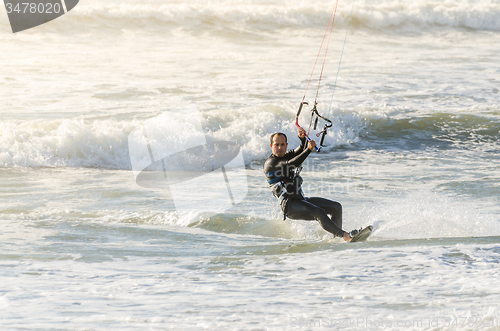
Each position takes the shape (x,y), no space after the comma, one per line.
(332,208)
(305,210)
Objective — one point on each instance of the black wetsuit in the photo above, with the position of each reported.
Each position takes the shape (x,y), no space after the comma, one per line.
(286,186)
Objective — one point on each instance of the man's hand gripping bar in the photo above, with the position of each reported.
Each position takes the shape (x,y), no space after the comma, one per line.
(298,126)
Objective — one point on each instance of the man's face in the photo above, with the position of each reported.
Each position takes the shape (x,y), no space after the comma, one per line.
(279,145)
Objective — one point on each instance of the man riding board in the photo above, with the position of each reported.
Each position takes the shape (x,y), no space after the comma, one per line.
(282,171)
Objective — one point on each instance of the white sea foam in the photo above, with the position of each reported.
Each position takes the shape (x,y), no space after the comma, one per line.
(412,285)
(60,143)
(422,214)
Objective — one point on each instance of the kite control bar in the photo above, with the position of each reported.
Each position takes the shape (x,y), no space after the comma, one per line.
(298,126)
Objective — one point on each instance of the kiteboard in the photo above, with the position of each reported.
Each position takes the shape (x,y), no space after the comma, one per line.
(362,235)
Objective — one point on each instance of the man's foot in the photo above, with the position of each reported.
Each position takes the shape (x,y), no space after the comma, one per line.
(348,235)
(353,233)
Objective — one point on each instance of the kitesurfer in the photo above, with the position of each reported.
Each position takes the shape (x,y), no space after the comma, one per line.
(282,171)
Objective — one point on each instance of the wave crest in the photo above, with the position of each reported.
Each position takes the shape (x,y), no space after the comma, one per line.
(390,16)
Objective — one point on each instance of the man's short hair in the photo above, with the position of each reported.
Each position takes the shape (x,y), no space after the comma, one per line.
(278,134)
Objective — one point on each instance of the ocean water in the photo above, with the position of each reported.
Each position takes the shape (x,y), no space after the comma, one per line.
(413,95)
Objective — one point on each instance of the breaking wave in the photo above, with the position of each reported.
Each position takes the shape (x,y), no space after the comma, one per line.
(103,143)
(386,16)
